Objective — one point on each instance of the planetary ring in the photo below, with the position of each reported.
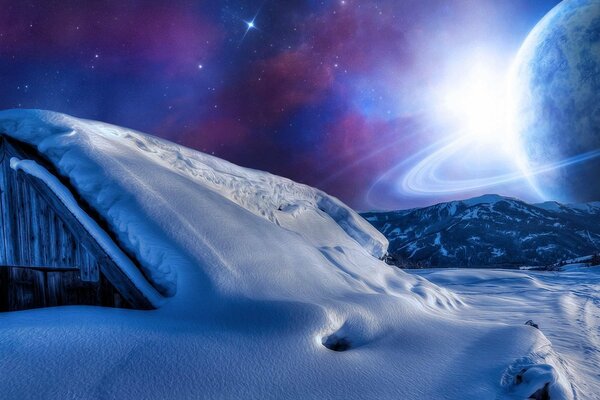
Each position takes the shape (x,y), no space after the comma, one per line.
(423,178)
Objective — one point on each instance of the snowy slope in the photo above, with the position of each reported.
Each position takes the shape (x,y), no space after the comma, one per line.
(491,230)
(261,278)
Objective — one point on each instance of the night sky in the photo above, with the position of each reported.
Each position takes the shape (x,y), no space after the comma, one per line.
(349,96)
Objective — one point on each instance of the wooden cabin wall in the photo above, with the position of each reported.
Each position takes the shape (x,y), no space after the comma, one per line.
(26,288)
(34,234)
(46,258)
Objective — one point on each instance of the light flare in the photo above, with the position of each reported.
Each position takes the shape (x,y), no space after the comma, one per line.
(478,106)
(475,101)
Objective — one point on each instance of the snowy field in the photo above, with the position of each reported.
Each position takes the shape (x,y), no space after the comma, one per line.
(266,288)
(470,352)
(565,305)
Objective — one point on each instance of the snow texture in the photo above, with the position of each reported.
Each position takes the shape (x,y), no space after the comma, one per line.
(272,289)
(564,304)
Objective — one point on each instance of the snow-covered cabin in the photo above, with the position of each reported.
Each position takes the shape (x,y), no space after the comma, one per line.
(255,279)
(49,255)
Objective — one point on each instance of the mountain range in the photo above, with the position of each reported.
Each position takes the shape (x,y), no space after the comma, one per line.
(489,231)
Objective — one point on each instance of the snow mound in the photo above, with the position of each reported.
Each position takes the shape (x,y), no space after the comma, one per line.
(160,199)
(539,375)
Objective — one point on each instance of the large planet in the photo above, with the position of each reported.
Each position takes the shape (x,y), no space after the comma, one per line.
(555,102)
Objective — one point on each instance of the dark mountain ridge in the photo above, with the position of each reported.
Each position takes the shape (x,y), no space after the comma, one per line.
(490,231)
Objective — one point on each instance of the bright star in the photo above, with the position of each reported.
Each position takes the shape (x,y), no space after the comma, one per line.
(249,26)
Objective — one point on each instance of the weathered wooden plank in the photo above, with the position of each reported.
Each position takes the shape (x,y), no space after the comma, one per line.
(43,239)
(41,268)
(95,270)
(21,291)
(39,289)
(5,191)
(78,258)
(55,288)
(4,289)
(63,240)
(53,258)
(35,229)
(3,243)
(84,268)
(11,213)
(89,266)
(21,231)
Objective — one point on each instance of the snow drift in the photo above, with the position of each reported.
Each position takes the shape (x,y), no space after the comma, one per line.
(271,289)
(159,198)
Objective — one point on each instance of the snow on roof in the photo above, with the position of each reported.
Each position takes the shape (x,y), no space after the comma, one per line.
(176,208)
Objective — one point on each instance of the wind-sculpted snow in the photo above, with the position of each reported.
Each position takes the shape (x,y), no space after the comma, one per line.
(565,306)
(272,289)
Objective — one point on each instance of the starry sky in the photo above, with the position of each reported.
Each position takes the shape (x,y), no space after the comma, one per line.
(344,95)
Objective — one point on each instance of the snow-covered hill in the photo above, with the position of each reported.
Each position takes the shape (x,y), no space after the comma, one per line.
(491,231)
(269,289)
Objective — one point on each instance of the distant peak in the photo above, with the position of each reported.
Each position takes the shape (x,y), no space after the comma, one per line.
(485,199)
(556,206)
(549,205)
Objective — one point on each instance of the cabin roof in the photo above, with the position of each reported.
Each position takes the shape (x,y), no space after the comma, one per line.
(197,226)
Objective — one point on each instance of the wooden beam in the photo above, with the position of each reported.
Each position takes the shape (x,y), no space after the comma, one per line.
(42,268)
